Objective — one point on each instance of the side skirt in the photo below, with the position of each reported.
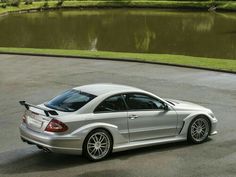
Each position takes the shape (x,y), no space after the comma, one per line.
(145,143)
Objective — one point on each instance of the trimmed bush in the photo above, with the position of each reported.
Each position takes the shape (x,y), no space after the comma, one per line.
(45,5)
(4,6)
(59,3)
(15,3)
(27,2)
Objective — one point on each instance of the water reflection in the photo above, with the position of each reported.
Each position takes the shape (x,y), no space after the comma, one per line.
(202,23)
(143,37)
(128,30)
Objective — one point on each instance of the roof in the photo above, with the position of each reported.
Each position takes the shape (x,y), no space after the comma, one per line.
(99,89)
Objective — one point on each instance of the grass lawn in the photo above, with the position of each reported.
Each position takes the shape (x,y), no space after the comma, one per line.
(210,63)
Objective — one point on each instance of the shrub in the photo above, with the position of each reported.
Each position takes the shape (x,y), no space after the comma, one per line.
(59,3)
(45,5)
(27,2)
(4,6)
(15,3)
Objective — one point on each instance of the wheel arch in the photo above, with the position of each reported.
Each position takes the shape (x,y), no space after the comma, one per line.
(99,128)
(187,121)
(205,116)
(86,139)
(116,134)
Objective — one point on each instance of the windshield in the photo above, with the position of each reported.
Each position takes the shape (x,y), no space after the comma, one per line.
(69,101)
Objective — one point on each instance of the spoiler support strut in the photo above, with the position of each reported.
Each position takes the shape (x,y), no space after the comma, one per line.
(46,111)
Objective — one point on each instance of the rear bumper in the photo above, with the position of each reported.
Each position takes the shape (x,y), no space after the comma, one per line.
(51,142)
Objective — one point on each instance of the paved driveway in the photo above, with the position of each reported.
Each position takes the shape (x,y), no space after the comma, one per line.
(36,79)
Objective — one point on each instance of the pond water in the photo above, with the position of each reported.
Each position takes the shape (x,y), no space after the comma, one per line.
(124,30)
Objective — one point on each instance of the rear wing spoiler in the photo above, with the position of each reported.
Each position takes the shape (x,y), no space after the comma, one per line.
(46,111)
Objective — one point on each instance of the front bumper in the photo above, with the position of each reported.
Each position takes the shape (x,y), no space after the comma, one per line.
(213,127)
(51,142)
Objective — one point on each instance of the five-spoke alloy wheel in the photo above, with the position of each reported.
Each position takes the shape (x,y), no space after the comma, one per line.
(98,145)
(198,130)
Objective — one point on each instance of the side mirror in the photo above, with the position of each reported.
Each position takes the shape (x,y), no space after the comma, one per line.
(166,107)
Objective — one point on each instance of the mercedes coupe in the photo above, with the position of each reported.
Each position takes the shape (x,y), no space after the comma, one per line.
(97,119)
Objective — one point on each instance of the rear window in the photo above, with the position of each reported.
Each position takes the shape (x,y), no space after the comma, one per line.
(70,101)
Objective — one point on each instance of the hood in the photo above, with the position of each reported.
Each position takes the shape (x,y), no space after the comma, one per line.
(184,105)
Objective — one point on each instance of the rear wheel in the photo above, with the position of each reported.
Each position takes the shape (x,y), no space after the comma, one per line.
(198,130)
(97,145)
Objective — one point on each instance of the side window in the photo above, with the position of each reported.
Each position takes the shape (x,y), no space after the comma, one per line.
(136,101)
(111,104)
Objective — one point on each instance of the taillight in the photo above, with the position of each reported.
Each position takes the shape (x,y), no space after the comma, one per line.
(56,126)
(24,118)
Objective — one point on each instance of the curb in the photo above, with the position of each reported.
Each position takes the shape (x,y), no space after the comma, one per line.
(119,59)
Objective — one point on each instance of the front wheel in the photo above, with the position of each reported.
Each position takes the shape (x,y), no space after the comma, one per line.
(198,130)
(97,145)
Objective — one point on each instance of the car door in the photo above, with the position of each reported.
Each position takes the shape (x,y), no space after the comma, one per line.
(113,110)
(148,117)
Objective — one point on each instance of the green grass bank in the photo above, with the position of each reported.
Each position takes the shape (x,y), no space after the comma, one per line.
(208,63)
(204,5)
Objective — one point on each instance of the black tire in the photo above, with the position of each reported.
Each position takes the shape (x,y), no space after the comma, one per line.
(194,134)
(90,145)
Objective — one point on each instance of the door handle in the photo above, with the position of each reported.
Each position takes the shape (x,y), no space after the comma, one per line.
(133,117)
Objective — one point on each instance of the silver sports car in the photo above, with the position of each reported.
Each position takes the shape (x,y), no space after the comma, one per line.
(95,120)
